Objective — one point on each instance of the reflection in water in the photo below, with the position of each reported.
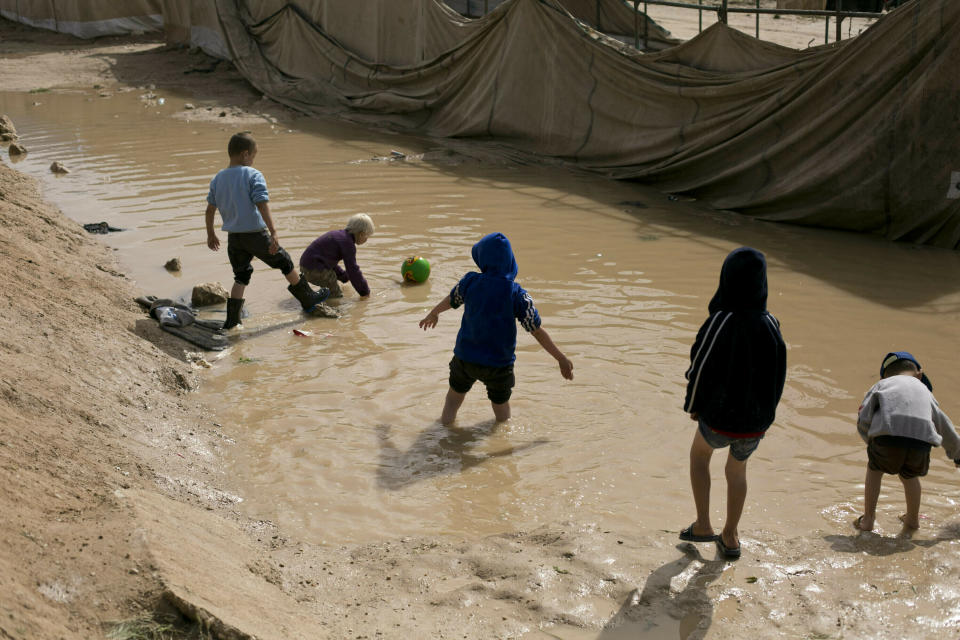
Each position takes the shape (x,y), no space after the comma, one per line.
(621,274)
(438,450)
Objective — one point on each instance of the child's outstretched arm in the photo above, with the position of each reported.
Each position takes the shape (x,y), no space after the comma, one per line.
(566,367)
(431,319)
(212,240)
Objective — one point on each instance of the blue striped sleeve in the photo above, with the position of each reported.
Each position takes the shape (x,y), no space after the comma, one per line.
(525,312)
(456,296)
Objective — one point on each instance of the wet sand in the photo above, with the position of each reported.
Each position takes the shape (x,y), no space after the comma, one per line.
(336,442)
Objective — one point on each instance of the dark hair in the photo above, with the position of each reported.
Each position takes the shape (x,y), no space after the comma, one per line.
(897,367)
(241,142)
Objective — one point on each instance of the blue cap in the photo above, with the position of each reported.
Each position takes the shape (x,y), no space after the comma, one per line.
(895,356)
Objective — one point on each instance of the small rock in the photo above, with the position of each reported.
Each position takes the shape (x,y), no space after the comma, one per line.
(6,125)
(17,149)
(173,264)
(8,137)
(100,227)
(208,293)
(223,114)
(57,167)
(189,106)
(324,311)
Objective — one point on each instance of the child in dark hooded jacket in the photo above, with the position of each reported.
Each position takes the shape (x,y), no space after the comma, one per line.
(736,376)
(486,344)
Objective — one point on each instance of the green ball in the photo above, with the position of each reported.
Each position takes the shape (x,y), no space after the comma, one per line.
(415,269)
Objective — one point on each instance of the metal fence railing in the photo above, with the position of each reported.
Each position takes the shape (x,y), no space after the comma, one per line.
(723,9)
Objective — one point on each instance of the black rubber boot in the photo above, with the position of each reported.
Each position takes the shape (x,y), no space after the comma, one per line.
(308,297)
(234,305)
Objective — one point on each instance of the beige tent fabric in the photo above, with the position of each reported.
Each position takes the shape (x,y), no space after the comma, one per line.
(612,17)
(86,18)
(398,32)
(615,17)
(860,135)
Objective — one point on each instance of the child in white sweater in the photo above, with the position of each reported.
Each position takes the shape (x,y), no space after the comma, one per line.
(900,420)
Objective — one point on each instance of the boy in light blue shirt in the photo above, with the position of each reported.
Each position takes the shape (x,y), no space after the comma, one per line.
(240,193)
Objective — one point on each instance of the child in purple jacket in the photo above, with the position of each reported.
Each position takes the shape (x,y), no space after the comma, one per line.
(320,261)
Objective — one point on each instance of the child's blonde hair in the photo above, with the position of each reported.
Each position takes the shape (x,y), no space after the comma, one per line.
(360,223)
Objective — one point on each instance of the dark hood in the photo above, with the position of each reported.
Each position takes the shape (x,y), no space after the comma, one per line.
(743,282)
(494,256)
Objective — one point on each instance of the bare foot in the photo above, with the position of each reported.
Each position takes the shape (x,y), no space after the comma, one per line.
(910,524)
(863,523)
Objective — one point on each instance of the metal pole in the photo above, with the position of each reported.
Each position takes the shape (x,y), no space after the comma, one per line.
(700,24)
(758,20)
(646,26)
(597,23)
(723,12)
(839,21)
(826,31)
(636,24)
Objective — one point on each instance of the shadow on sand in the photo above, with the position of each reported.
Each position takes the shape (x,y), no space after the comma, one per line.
(660,612)
(905,540)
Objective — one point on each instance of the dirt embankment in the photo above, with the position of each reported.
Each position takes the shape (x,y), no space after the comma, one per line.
(90,410)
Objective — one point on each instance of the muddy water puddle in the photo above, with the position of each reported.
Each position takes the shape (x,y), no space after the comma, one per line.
(336,432)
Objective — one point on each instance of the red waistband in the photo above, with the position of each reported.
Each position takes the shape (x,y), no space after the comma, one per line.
(729,434)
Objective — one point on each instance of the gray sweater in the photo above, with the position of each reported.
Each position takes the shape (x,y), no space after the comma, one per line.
(903,406)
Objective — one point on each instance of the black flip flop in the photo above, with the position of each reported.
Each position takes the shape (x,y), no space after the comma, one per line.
(689,536)
(730,553)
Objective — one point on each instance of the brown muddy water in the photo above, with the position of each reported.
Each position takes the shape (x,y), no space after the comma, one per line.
(336,433)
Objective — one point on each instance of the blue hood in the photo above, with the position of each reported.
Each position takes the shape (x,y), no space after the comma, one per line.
(743,282)
(494,256)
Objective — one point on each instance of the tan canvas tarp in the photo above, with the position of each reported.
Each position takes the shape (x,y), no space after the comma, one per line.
(86,18)
(194,24)
(612,17)
(615,17)
(861,135)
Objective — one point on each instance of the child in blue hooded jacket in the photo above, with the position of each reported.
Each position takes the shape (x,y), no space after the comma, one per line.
(487,341)
(738,366)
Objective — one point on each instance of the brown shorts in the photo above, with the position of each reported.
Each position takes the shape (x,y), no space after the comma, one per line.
(323,278)
(896,459)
